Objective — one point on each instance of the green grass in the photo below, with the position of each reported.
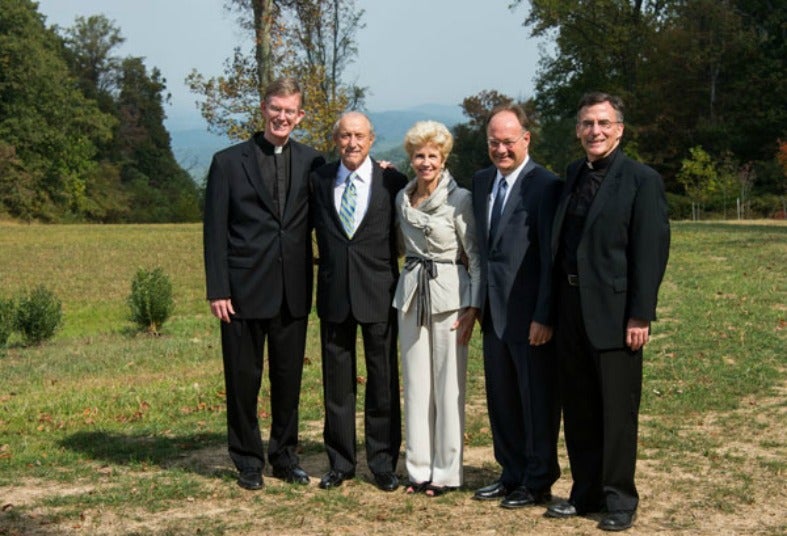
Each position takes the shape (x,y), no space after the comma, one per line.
(125,415)
(722,316)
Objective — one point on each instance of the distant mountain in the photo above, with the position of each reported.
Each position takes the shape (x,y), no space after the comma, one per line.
(391,126)
(194,147)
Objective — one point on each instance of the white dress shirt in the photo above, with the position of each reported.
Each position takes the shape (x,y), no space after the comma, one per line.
(363,189)
(510,179)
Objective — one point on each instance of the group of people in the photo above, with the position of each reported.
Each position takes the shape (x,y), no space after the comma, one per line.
(562,277)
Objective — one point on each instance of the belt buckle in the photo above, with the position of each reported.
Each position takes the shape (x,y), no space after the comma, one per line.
(573,280)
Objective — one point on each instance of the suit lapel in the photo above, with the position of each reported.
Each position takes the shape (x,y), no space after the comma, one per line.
(326,187)
(515,198)
(562,206)
(375,195)
(485,183)
(252,166)
(608,185)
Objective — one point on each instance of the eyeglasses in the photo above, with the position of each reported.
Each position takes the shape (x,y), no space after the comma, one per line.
(289,113)
(603,124)
(508,144)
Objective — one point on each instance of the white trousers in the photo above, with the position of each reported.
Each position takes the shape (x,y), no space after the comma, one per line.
(434,371)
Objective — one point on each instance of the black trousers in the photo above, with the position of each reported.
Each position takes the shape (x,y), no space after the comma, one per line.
(524,410)
(382,415)
(600,393)
(242,342)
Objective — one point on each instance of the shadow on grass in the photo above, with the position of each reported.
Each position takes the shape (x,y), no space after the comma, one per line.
(202,453)
(14,522)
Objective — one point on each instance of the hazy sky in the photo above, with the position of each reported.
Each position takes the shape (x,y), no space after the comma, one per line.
(410,52)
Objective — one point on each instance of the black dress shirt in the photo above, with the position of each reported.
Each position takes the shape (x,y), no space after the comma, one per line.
(585,188)
(275,170)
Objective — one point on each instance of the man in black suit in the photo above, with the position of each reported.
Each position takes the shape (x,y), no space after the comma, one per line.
(354,219)
(514,202)
(258,263)
(611,242)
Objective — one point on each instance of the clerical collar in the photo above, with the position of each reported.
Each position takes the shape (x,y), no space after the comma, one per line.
(267,147)
(602,164)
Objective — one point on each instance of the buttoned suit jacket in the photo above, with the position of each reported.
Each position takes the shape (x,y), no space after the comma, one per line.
(623,251)
(252,255)
(356,276)
(516,263)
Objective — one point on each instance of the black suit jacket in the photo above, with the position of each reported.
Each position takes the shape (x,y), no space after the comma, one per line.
(623,252)
(252,255)
(516,264)
(356,276)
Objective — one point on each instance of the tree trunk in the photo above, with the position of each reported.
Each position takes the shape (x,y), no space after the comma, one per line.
(263,26)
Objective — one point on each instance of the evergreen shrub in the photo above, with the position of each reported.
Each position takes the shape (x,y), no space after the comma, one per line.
(38,315)
(150,300)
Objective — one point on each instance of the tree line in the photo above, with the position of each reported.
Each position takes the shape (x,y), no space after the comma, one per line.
(82,136)
(703,80)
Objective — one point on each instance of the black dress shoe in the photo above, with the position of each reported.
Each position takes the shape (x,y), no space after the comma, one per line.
(495,490)
(615,521)
(522,496)
(561,510)
(386,481)
(250,479)
(294,474)
(334,479)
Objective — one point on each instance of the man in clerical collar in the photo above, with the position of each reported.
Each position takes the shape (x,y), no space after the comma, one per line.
(611,243)
(258,265)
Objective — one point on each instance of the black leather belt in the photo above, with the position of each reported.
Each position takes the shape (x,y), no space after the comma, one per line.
(573,280)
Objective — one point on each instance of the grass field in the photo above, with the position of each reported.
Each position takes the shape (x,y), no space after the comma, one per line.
(107,431)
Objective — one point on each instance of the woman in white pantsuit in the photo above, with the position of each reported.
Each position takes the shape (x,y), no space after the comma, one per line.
(437,298)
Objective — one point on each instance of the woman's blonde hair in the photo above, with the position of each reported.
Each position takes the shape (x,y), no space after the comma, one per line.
(425,132)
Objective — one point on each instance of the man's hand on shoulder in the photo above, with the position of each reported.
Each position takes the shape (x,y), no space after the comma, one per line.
(385,164)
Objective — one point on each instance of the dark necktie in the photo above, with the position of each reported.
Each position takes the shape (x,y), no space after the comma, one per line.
(497,206)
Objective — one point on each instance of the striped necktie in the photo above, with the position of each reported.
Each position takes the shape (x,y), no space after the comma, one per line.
(347,208)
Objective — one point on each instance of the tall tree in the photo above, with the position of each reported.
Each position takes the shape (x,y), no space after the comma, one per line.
(91,42)
(692,72)
(310,39)
(599,44)
(161,189)
(52,128)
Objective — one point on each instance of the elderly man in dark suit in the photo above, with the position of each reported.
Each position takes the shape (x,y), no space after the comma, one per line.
(514,202)
(354,219)
(611,243)
(258,263)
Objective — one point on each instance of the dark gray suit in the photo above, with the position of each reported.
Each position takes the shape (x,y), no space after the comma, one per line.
(355,287)
(516,283)
(262,261)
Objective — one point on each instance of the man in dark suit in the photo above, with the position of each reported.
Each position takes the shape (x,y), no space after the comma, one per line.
(258,263)
(354,219)
(611,242)
(514,202)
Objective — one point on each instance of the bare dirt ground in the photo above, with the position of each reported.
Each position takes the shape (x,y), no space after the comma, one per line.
(730,490)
